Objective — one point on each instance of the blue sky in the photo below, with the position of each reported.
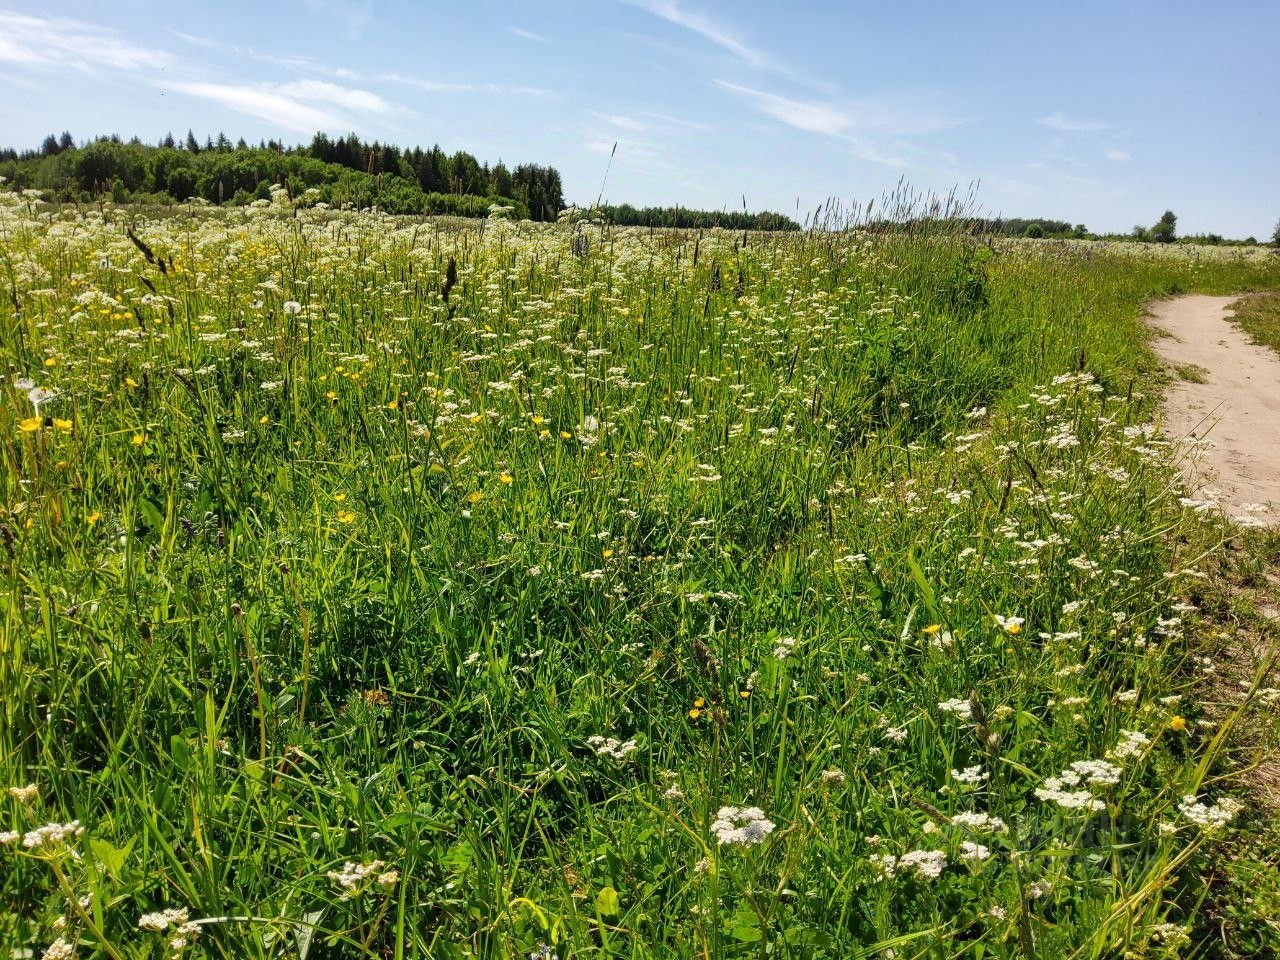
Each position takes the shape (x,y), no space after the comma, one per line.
(1105,113)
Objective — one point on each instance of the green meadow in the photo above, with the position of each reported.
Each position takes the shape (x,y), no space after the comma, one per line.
(376,587)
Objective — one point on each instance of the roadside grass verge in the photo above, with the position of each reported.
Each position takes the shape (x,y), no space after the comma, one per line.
(1259,316)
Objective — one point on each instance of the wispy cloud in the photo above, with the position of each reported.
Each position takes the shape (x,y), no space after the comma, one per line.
(835,118)
(284,60)
(677,122)
(60,42)
(704,26)
(529,35)
(1059,121)
(803,115)
(345,97)
(301,106)
(441,86)
(871,130)
(620,121)
(1115,153)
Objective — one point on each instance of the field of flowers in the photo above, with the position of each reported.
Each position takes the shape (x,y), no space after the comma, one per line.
(380,588)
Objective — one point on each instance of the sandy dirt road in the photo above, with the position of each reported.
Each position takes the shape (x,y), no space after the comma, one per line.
(1235,411)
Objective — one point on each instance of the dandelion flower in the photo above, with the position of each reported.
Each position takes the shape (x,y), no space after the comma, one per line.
(1010,625)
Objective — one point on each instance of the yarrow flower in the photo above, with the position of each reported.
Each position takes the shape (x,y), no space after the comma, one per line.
(1131,744)
(784,647)
(162,920)
(925,864)
(1070,789)
(355,878)
(743,826)
(611,747)
(1211,816)
(53,837)
(979,822)
(25,795)
(973,851)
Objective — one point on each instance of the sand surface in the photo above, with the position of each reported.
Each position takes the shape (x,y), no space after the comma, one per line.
(1234,413)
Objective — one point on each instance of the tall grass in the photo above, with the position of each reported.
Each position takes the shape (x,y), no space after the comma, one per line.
(502,588)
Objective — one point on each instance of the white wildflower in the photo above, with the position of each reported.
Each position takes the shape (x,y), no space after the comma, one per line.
(741,825)
(611,747)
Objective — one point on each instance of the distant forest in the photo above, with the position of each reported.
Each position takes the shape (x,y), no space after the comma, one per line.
(344,171)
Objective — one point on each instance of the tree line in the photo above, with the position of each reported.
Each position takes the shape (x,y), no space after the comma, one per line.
(344,171)
(625,215)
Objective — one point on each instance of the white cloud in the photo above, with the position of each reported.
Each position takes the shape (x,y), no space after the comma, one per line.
(633,154)
(871,130)
(704,26)
(436,86)
(1117,154)
(882,118)
(1059,121)
(65,43)
(620,121)
(267,104)
(813,117)
(345,97)
(676,121)
(529,35)
(284,60)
